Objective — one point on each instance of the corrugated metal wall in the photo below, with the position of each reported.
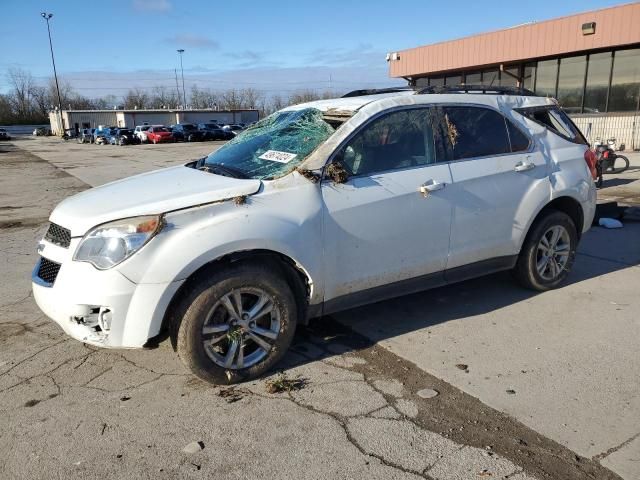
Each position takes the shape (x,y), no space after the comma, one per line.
(625,128)
(94,119)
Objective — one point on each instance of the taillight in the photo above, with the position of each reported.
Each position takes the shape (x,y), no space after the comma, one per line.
(606,154)
(590,158)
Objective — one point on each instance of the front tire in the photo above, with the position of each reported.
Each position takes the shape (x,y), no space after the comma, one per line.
(235,323)
(548,252)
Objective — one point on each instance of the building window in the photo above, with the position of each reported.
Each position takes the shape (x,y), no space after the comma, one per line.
(509,77)
(625,81)
(422,82)
(546,77)
(453,80)
(571,83)
(491,77)
(529,76)
(473,78)
(598,73)
(436,81)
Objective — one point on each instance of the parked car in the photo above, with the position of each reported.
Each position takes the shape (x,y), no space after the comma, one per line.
(187,132)
(233,128)
(141,132)
(4,135)
(86,135)
(314,213)
(102,134)
(123,136)
(159,134)
(212,131)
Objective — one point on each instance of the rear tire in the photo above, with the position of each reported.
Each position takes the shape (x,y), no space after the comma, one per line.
(624,160)
(548,252)
(231,354)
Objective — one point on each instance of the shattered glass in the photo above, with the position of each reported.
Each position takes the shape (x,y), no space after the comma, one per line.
(275,145)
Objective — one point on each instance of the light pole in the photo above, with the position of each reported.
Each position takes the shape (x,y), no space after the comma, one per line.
(47,17)
(184,95)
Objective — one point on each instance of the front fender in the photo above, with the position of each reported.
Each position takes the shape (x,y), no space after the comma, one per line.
(286,221)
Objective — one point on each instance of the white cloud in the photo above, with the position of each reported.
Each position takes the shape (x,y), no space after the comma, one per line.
(157,6)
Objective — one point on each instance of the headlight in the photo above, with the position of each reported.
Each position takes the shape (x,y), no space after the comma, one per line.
(111,243)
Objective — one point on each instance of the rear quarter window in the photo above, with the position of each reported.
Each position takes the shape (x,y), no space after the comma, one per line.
(555,120)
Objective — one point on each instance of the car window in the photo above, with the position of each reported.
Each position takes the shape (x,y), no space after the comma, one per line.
(473,132)
(555,120)
(519,141)
(396,140)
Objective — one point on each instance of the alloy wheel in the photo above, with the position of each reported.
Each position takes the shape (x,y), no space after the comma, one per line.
(241,328)
(553,251)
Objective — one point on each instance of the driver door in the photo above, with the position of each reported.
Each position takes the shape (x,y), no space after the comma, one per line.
(386,229)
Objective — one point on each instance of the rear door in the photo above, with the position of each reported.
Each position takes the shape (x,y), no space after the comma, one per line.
(495,171)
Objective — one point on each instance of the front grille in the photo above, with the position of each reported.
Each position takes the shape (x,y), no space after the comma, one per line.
(48,270)
(58,235)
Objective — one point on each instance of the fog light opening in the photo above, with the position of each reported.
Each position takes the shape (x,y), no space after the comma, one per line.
(104,319)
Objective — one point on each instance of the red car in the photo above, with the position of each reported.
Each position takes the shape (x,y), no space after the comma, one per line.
(159,134)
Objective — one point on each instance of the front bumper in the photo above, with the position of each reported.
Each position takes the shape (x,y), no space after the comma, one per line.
(101,308)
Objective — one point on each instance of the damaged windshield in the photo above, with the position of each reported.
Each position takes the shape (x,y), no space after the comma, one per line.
(274,146)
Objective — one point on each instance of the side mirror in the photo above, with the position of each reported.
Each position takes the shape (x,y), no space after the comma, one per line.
(337,172)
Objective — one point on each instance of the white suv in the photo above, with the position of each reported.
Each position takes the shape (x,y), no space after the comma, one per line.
(318,208)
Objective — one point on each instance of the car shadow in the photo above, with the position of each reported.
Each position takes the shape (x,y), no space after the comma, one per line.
(616,182)
(600,253)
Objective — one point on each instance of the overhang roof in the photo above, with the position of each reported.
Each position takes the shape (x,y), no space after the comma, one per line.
(615,27)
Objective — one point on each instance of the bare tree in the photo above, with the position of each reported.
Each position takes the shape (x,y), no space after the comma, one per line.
(136,98)
(163,97)
(22,84)
(303,96)
(6,111)
(106,102)
(250,98)
(203,97)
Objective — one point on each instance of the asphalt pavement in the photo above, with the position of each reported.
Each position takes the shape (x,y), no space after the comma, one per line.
(481,379)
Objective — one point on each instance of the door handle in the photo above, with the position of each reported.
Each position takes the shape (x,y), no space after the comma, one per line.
(524,166)
(431,186)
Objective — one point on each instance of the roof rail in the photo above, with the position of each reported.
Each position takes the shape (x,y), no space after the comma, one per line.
(489,89)
(376,91)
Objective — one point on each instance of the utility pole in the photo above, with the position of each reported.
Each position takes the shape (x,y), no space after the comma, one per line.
(184,95)
(47,17)
(175,70)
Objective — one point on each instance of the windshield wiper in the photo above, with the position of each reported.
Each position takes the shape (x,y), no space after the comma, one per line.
(220,169)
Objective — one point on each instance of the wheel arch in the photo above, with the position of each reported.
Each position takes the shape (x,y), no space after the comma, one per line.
(565,204)
(295,275)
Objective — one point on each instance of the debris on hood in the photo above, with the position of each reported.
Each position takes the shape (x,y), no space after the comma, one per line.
(240,200)
(313,177)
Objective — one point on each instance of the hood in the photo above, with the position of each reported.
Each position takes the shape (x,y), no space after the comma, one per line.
(151,193)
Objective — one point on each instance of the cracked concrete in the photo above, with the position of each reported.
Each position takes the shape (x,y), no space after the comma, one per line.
(72,411)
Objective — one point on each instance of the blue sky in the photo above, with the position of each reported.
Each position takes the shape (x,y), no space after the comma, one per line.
(276,46)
